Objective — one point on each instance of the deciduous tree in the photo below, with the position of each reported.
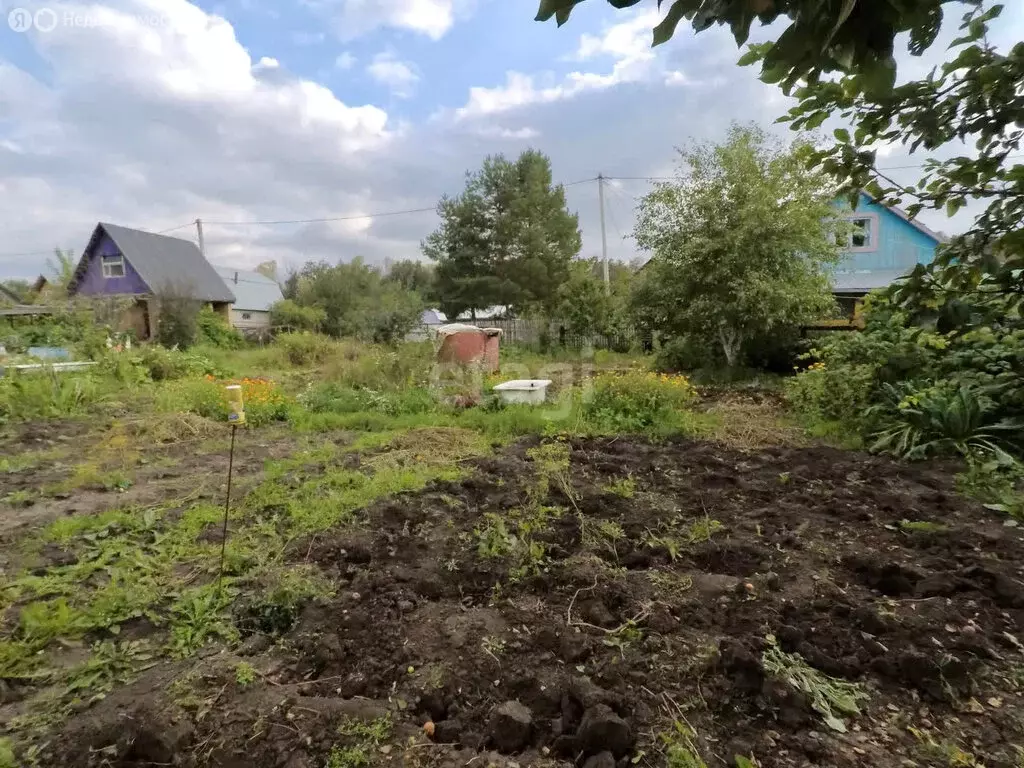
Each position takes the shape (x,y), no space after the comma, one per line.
(413,275)
(742,241)
(356,301)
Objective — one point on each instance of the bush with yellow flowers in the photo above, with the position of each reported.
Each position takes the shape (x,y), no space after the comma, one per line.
(264,401)
(638,400)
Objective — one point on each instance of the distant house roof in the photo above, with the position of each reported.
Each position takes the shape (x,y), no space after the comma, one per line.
(864,281)
(433,317)
(161,261)
(7,294)
(488,313)
(254,292)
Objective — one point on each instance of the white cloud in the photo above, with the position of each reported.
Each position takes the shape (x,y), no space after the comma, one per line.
(201,129)
(354,18)
(389,70)
(628,43)
(630,39)
(345,61)
(521,90)
(512,134)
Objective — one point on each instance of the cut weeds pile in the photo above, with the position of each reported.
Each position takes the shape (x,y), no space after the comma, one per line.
(600,601)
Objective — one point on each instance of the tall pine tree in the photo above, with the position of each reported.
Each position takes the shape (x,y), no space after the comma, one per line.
(508,239)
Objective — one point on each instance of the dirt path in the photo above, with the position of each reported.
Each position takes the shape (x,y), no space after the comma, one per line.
(644,605)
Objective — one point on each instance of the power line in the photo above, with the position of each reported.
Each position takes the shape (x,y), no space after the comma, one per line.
(172,229)
(879,168)
(27,253)
(276,222)
(351,218)
(318,221)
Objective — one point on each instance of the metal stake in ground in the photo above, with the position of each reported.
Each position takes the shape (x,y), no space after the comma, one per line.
(236,416)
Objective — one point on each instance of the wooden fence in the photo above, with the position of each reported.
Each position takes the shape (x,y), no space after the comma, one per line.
(528,332)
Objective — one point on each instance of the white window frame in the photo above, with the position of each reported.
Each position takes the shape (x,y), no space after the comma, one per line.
(871,230)
(109,262)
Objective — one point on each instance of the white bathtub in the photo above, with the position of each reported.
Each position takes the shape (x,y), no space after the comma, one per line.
(531,391)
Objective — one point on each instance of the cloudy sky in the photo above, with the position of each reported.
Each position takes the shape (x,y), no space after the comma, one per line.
(151,113)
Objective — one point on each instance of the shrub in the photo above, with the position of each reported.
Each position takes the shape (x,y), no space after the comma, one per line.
(83,325)
(686,353)
(330,397)
(637,400)
(287,314)
(942,419)
(177,318)
(305,348)
(46,395)
(833,393)
(168,364)
(940,372)
(215,330)
(265,403)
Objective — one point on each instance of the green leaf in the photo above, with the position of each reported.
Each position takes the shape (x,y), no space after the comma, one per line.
(775,74)
(664,31)
(549,8)
(844,14)
(752,55)
(879,77)
(815,120)
(835,723)
(842,135)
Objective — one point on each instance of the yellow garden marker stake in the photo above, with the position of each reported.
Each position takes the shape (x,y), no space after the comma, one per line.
(236,416)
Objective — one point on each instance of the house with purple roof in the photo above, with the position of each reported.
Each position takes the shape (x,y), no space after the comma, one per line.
(119,261)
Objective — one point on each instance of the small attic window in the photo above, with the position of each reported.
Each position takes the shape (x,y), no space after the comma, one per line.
(863,235)
(113,265)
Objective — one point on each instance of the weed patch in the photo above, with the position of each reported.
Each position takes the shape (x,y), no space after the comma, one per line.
(830,697)
(199,616)
(624,487)
(675,536)
(638,401)
(360,741)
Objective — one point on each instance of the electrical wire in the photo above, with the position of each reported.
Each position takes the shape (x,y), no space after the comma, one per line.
(880,168)
(409,211)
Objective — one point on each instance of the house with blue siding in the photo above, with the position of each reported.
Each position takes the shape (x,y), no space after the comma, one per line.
(885,244)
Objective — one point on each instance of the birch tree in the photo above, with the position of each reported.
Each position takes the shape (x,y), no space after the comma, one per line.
(742,241)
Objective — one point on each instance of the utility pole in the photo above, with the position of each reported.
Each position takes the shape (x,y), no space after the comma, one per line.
(202,242)
(604,234)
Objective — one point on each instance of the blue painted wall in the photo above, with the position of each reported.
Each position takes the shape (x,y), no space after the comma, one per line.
(92,281)
(898,245)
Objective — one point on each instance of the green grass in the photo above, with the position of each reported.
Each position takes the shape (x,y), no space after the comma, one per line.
(680,751)
(624,487)
(360,742)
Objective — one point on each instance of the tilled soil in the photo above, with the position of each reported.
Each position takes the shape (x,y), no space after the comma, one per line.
(638,645)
